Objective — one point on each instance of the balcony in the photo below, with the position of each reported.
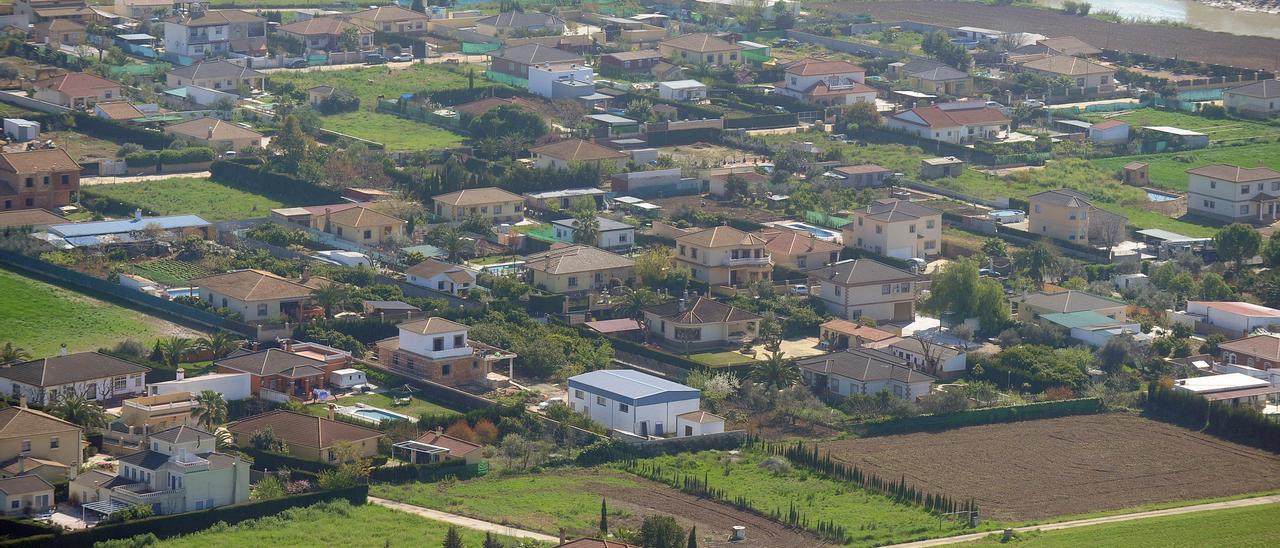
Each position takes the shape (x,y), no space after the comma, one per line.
(765,260)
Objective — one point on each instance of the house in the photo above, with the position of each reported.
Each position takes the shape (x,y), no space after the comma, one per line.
(1031,306)
(1233,319)
(947,359)
(491,203)
(121,111)
(105,233)
(439,351)
(35,442)
(317,94)
(700,323)
(441,276)
(436,446)
(1169,138)
(26,495)
(326,34)
(96,377)
(1069,45)
(308,437)
(1083,73)
(640,61)
(895,228)
(143,9)
(863,288)
(569,152)
(514,61)
(361,225)
(216,134)
(1091,328)
(798,250)
(861,371)
(201,33)
(610,234)
(34,11)
(160,412)
(1234,194)
(565,199)
(682,90)
(717,179)
(631,401)
(260,296)
(574,43)
(277,375)
(1234,389)
(232,386)
(841,334)
(1256,351)
(1259,99)
(60,32)
(862,176)
(217,75)
(957,123)
(38,179)
(563,81)
(828,83)
(1109,132)
(928,76)
(700,49)
(937,168)
(1067,215)
(76,90)
(518,24)
(392,19)
(724,255)
(578,268)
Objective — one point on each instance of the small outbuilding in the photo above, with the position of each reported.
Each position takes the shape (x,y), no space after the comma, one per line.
(347,378)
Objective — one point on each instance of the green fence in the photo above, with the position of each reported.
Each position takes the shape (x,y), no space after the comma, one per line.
(825,219)
(507,79)
(480,48)
(991,415)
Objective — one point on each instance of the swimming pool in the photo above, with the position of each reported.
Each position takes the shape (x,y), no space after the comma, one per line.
(175,292)
(1005,216)
(1157,196)
(372,414)
(818,232)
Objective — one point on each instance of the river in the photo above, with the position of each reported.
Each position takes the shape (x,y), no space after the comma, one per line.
(1190,11)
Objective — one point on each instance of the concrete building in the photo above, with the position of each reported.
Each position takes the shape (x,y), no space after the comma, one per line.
(1109,132)
(562,81)
(683,90)
(937,168)
(38,179)
(1235,389)
(896,228)
(1234,194)
(1257,100)
(26,495)
(858,288)
(440,351)
(866,372)
(208,33)
(631,401)
(700,323)
(610,234)
(232,386)
(724,255)
(1067,215)
(1233,319)
(492,203)
(862,176)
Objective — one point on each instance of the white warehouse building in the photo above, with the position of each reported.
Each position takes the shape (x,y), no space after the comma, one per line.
(631,401)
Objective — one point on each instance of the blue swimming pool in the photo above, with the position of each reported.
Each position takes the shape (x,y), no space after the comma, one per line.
(816,231)
(378,415)
(175,292)
(1157,196)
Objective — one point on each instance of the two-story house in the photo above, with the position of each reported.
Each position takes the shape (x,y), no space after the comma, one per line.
(308,436)
(38,179)
(179,471)
(857,288)
(1082,73)
(700,323)
(866,372)
(896,228)
(491,203)
(441,276)
(392,19)
(260,296)
(700,49)
(361,225)
(514,61)
(219,75)
(610,234)
(928,76)
(1067,215)
(801,251)
(325,34)
(1030,307)
(96,377)
(35,442)
(439,350)
(277,375)
(76,90)
(1234,194)
(1258,100)
(569,269)
(203,33)
(724,255)
(831,83)
(958,123)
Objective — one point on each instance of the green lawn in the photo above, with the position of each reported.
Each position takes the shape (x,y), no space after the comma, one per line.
(392,131)
(39,317)
(1251,526)
(1170,170)
(721,359)
(168,271)
(194,195)
(368,83)
(416,407)
(330,524)
(1217,130)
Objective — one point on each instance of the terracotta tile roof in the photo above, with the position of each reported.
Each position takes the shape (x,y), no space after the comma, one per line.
(361,217)
(720,236)
(253,285)
(21,421)
(476,196)
(1235,174)
(76,84)
(577,150)
(703,310)
(914,346)
(28,465)
(864,365)
(1067,301)
(214,18)
(866,333)
(321,26)
(28,217)
(892,210)
(383,14)
(481,106)
(1067,65)
(24,484)
(273,361)
(936,117)
(303,430)
(845,87)
(212,129)
(37,161)
(69,369)
(700,42)
(861,169)
(120,110)
(458,448)
(815,67)
(1069,45)
(1262,346)
(860,272)
(570,259)
(60,25)
(431,268)
(790,243)
(634,55)
(432,326)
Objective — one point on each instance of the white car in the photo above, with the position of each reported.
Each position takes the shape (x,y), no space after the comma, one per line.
(547,403)
(403,57)
(799,289)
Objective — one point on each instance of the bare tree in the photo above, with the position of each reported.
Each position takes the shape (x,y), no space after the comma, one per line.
(1108,228)
(932,352)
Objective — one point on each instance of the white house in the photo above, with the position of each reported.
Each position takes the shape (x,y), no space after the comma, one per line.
(561,81)
(1259,99)
(232,386)
(1236,389)
(1234,194)
(1125,282)
(826,82)
(1234,319)
(631,401)
(610,234)
(958,123)
(949,359)
(441,276)
(864,371)
(347,378)
(682,90)
(863,288)
(96,377)
(698,423)
(1109,132)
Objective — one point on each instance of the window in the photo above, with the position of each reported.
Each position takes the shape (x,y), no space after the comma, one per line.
(886,289)
(437,344)
(837,288)
(624,408)
(120,383)
(44,181)
(53,442)
(578,394)
(693,252)
(262,310)
(440,285)
(599,400)
(368,234)
(1244,189)
(457,340)
(1213,184)
(26,445)
(497,210)
(446,369)
(573,281)
(879,229)
(66,180)
(688,333)
(859,221)
(911,229)
(682,251)
(1037,208)
(1244,209)
(30,202)
(30,182)
(622,237)
(15,504)
(802,261)
(930,244)
(928,224)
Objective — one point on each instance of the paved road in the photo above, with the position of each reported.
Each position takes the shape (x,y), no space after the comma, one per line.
(89,181)
(463,521)
(1256,501)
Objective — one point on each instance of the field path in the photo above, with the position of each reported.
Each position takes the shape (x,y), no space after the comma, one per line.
(1256,501)
(111,180)
(463,521)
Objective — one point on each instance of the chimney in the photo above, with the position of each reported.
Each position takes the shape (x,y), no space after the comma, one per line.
(680,306)
(62,350)
(137,215)
(439,430)
(22,401)
(180,374)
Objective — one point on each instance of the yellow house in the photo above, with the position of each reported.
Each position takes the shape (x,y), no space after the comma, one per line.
(1067,215)
(578,268)
(700,49)
(724,255)
(563,154)
(34,442)
(216,134)
(360,225)
(28,494)
(308,437)
(495,204)
(896,228)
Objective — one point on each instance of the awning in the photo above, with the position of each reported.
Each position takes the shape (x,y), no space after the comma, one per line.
(106,507)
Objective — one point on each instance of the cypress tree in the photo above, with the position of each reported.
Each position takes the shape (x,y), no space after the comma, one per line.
(604,518)
(693,537)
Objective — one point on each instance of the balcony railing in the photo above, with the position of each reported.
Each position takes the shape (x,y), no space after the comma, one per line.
(747,261)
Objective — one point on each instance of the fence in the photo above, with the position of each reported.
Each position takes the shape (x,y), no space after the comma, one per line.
(451,397)
(32,104)
(405,110)
(991,415)
(766,121)
(826,219)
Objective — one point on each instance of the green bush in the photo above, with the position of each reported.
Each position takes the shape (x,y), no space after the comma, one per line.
(146,158)
(189,155)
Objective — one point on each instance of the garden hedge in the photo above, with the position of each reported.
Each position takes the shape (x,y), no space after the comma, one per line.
(408,473)
(258,180)
(1239,424)
(264,460)
(990,415)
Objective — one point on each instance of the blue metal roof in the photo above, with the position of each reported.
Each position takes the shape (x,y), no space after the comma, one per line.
(631,385)
(97,228)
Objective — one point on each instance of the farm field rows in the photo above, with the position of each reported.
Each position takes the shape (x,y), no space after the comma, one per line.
(188,195)
(1250,526)
(1073,465)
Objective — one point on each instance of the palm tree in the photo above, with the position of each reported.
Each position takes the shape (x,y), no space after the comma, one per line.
(220,343)
(78,410)
(332,297)
(636,300)
(776,372)
(211,409)
(449,239)
(1037,261)
(586,227)
(173,349)
(13,354)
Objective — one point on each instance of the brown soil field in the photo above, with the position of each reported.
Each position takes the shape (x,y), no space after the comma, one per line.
(1252,52)
(712,518)
(1065,466)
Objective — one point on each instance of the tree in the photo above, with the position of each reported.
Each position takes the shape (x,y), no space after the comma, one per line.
(1237,243)
(770,332)
(1271,253)
(586,226)
(174,349)
(221,343)
(77,409)
(995,247)
(211,409)
(449,239)
(418,6)
(508,120)
(332,297)
(604,518)
(640,110)
(775,372)
(266,440)
(1214,288)
(13,354)
(1212,342)
(932,352)
(651,265)
(349,40)
(736,189)
(1036,261)
(861,115)
(452,539)
(636,300)
(292,143)
(269,487)
(661,532)
(490,541)
(693,531)
(782,19)
(1118,351)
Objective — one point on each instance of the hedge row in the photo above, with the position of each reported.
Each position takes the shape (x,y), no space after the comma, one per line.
(991,415)
(408,473)
(1242,425)
(103,128)
(148,158)
(263,460)
(258,180)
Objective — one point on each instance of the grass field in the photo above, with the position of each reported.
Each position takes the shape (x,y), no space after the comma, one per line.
(721,359)
(368,83)
(39,317)
(393,132)
(81,146)
(194,195)
(1251,526)
(1218,130)
(168,271)
(1170,170)
(332,524)
(417,406)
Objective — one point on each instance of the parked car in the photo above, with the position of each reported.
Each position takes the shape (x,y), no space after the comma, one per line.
(403,57)
(800,289)
(375,59)
(298,63)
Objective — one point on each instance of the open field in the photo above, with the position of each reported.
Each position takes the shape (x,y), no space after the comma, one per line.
(724,358)
(392,131)
(1054,467)
(1170,170)
(82,147)
(1165,41)
(368,83)
(39,317)
(334,524)
(170,272)
(1218,130)
(194,195)
(416,407)
(1250,526)
(571,499)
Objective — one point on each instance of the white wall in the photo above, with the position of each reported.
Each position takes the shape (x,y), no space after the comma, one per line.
(611,416)
(541,79)
(423,344)
(135,384)
(232,386)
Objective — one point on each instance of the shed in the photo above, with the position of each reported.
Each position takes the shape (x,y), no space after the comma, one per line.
(937,168)
(347,378)
(698,423)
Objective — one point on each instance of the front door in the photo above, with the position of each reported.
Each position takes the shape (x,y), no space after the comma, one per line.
(657,429)
(644,429)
